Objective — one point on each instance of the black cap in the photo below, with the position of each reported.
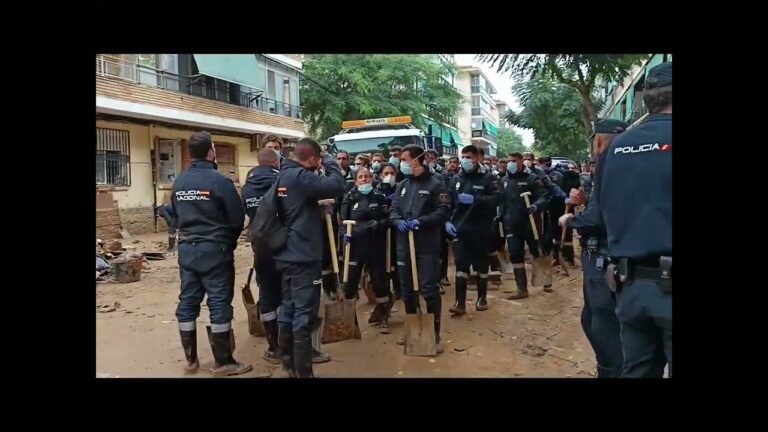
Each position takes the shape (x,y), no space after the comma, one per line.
(610,126)
(659,76)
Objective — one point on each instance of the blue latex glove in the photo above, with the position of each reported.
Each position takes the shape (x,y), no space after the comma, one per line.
(402,226)
(533,208)
(466,198)
(347,239)
(413,224)
(568,200)
(451,229)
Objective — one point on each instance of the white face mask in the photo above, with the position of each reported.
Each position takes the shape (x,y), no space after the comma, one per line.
(527,163)
(389,179)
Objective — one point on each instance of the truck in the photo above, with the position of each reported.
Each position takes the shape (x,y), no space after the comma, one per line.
(376,135)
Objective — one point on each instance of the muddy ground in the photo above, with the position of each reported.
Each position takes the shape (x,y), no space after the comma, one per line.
(535,337)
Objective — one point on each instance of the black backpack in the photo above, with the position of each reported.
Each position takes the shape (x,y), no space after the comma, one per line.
(268,233)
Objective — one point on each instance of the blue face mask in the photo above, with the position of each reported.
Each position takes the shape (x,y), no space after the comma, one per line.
(511,167)
(406,169)
(279,155)
(394,162)
(376,167)
(467,165)
(353,168)
(365,189)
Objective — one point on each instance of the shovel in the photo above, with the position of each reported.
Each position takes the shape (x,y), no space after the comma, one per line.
(561,260)
(255,326)
(419,327)
(340,321)
(542,266)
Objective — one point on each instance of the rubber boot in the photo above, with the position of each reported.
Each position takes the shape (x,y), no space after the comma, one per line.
(318,356)
(189,344)
(482,291)
(329,285)
(302,354)
(460,305)
(495,274)
(522,285)
(285,347)
(377,314)
(438,342)
(271,354)
(171,243)
(222,353)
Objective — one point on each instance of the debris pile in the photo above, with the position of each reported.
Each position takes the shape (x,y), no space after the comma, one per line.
(118,263)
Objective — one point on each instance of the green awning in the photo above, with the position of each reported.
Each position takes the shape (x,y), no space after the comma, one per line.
(493,130)
(237,68)
(446,133)
(456,137)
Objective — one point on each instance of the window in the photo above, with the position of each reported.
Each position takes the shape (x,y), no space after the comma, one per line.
(113,157)
(166,160)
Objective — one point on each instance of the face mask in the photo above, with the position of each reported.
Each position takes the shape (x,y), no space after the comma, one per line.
(365,189)
(406,169)
(394,162)
(376,167)
(495,172)
(511,167)
(467,165)
(527,163)
(353,168)
(389,179)
(278,154)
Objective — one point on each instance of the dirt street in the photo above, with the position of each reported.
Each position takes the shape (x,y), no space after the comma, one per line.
(535,337)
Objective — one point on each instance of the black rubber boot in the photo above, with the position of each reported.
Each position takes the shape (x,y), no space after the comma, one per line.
(302,355)
(377,314)
(271,354)
(438,342)
(460,305)
(482,291)
(222,353)
(318,356)
(189,343)
(285,347)
(329,285)
(171,243)
(522,285)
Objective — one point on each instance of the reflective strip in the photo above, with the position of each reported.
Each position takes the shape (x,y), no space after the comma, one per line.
(518,265)
(188,326)
(555,242)
(495,273)
(326,272)
(483,275)
(493,254)
(509,235)
(221,328)
(382,300)
(354,263)
(317,282)
(401,263)
(279,309)
(461,275)
(269,316)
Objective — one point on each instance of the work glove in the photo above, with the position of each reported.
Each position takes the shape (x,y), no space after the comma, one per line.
(451,229)
(413,224)
(532,209)
(402,226)
(347,238)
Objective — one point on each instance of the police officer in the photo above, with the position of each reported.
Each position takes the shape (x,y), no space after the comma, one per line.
(210,218)
(598,317)
(299,189)
(438,173)
(347,173)
(260,179)
(453,165)
(501,167)
(166,212)
(634,194)
(367,239)
(422,205)
(475,193)
(377,159)
(514,216)
(275,143)
(387,187)
(394,160)
(566,180)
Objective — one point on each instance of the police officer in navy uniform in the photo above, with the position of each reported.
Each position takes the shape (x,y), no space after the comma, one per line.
(166,212)
(439,173)
(387,187)
(514,216)
(210,219)
(598,317)
(367,239)
(299,189)
(634,193)
(421,204)
(259,180)
(394,160)
(475,194)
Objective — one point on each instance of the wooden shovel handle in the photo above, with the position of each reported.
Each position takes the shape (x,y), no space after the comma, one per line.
(530,216)
(332,242)
(414,270)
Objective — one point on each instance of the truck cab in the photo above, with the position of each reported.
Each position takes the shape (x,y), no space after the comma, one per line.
(376,135)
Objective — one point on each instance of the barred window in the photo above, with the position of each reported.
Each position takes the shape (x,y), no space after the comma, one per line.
(113,165)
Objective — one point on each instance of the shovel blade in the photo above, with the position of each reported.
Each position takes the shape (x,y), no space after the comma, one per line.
(255,326)
(542,271)
(420,335)
(340,321)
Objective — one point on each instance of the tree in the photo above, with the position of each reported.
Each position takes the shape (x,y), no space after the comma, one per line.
(578,71)
(338,87)
(509,141)
(553,110)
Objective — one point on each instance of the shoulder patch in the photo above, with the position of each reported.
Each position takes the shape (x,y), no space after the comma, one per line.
(443,197)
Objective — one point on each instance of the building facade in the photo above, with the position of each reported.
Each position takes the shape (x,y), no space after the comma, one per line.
(148,105)
(479,117)
(624,101)
(447,134)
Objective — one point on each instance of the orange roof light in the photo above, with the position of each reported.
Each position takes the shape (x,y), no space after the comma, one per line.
(379,121)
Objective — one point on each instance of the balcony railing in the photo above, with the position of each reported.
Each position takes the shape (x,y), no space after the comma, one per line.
(199,85)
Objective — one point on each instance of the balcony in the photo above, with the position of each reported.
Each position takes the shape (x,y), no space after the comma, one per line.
(484,134)
(198,85)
